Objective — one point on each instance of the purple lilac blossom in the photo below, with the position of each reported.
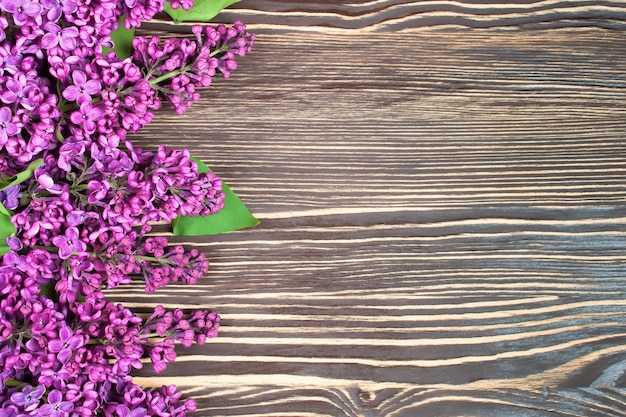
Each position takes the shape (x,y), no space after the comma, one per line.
(21,10)
(56,406)
(82,218)
(7,127)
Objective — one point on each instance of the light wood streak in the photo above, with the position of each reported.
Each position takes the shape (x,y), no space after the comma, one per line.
(331,16)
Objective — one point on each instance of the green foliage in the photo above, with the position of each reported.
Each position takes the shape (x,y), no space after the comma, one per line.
(234,216)
(202,11)
(122,40)
(6,182)
(6,228)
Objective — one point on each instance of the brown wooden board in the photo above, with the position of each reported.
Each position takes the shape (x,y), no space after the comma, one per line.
(442,213)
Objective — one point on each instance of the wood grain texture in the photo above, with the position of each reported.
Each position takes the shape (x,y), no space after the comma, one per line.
(442,224)
(404,15)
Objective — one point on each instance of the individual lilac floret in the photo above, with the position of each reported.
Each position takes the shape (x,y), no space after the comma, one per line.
(10,197)
(69,242)
(7,127)
(55,8)
(122,411)
(65,38)
(56,406)
(66,344)
(22,10)
(81,88)
(29,398)
(4,23)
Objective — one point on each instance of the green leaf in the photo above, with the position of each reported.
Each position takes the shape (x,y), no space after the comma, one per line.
(7,228)
(202,11)
(122,40)
(19,178)
(234,216)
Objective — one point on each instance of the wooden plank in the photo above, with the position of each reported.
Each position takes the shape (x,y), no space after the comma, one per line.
(442,226)
(401,15)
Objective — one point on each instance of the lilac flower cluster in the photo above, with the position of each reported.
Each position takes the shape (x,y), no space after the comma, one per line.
(74,359)
(83,200)
(57,87)
(87,231)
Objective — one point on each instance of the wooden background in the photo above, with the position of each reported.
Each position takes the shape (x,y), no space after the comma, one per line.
(441,189)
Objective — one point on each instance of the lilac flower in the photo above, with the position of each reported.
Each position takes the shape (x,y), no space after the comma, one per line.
(184,4)
(82,87)
(69,242)
(7,127)
(70,154)
(123,411)
(22,10)
(10,197)
(64,38)
(87,116)
(56,407)
(10,411)
(46,182)
(57,7)
(28,398)
(94,199)
(60,67)
(65,344)
(14,91)
(80,265)
(3,25)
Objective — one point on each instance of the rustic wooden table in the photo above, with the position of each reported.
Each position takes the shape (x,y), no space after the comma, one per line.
(441,188)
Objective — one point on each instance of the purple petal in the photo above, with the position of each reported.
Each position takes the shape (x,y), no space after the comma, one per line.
(72,233)
(96,113)
(69,6)
(54,13)
(75,342)
(5,114)
(65,252)
(122,411)
(32,9)
(66,43)
(64,355)
(14,243)
(11,129)
(45,181)
(52,27)
(76,117)
(38,392)
(49,40)
(92,87)
(59,241)
(89,126)
(79,246)
(66,406)
(55,345)
(70,93)
(10,6)
(18,398)
(75,217)
(65,333)
(45,410)
(8,97)
(79,78)
(55,397)
(71,32)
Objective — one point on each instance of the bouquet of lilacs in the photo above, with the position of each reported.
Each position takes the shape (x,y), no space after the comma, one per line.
(77,200)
